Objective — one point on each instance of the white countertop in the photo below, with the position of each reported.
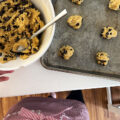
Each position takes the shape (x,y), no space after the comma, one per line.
(35,79)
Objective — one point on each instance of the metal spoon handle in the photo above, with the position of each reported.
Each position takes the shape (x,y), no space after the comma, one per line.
(60,15)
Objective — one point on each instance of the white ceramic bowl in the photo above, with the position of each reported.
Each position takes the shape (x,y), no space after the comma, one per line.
(46,8)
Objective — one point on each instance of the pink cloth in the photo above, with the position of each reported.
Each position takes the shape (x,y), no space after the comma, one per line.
(25,114)
(32,115)
(48,109)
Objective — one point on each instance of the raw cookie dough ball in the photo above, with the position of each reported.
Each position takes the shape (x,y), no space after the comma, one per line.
(102,58)
(66,52)
(77,1)
(114,4)
(75,21)
(109,32)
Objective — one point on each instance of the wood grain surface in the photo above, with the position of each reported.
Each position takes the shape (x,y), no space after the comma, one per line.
(96,102)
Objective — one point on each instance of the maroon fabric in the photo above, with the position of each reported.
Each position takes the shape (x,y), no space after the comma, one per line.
(25,114)
(59,109)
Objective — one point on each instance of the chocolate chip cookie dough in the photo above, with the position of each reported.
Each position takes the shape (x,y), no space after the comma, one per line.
(114,4)
(75,21)
(19,19)
(102,58)
(108,33)
(79,2)
(66,52)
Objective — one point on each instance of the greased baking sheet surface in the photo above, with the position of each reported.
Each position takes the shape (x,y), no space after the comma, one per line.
(87,40)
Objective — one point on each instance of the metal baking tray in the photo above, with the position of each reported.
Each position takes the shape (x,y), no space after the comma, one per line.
(86,41)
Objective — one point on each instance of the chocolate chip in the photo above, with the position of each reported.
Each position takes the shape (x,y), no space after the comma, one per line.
(0,21)
(19,53)
(16,7)
(77,24)
(102,30)
(34,49)
(101,54)
(31,31)
(38,27)
(17,39)
(102,61)
(15,26)
(109,29)
(8,4)
(13,22)
(0,54)
(6,55)
(24,2)
(32,6)
(2,47)
(2,11)
(2,36)
(6,40)
(27,13)
(1,44)
(3,27)
(23,34)
(21,11)
(6,18)
(110,33)
(63,52)
(8,28)
(107,33)
(5,59)
(36,22)
(12,34)
(101,35)
(22,18)
(28,26)
(11,56)
(15,0)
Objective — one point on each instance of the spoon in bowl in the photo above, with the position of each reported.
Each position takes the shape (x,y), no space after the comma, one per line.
(60,15)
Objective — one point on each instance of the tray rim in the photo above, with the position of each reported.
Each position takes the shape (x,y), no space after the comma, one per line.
(76,71)
(80,72)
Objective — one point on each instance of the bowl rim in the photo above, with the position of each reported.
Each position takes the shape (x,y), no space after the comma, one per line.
(44,51)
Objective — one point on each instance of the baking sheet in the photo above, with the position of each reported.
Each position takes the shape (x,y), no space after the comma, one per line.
(86,41)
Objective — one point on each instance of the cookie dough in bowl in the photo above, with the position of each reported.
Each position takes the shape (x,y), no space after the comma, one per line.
(47,11)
